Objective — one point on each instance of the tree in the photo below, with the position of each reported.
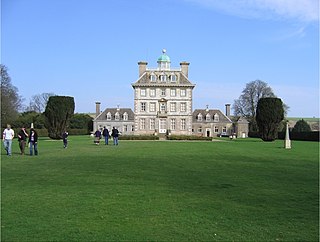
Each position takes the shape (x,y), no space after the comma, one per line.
(301,126)
(26,118)
(81,121)
(58,112)
(38,102)
(246,104)
(270,113)
(11,102)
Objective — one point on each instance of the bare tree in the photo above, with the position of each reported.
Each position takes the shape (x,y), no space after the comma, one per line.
(38,102)
(246,104)
(11,102)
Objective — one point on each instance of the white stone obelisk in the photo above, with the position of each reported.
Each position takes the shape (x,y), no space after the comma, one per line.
(287,141)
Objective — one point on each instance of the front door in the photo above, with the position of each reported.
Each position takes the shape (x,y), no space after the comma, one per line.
(208,132)
(162,126)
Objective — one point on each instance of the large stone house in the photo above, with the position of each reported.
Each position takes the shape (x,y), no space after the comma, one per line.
(163,98)
(163,105)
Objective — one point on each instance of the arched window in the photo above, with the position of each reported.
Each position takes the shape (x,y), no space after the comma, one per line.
(163,77)
(108,116)
(216,118)
(153,77)
(173,77)
(208,117)
(125,116)
(117,116)
(199,117)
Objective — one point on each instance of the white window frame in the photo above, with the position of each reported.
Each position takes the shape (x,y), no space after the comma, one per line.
(143,92)
(183,107)
(173,92)
(152,107)
(173,107)
(183,92)
(173,124)
(152,124)
(152,92)
(143,107)
(183,124)
(142,124)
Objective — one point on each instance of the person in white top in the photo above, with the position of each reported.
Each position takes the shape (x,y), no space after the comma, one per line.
(7,136)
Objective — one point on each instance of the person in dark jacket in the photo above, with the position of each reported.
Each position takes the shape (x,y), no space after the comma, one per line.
(115,135)
(97,136)
(33,142)
(106,135)
(22,138)
(65,138)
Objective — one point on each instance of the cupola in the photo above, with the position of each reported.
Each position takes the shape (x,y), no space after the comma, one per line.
(164,61)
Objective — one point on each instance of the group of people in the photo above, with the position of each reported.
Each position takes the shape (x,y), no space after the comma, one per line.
(32,137)
(8,135)
(105,133)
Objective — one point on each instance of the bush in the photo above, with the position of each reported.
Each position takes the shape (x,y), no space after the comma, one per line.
(138,137)
(188,137)
(303,136)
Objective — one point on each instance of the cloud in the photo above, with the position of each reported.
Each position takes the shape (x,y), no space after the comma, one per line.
(300,10)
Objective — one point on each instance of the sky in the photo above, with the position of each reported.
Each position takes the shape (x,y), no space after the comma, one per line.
(90,49)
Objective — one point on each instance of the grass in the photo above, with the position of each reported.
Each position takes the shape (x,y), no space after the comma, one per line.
(243,190)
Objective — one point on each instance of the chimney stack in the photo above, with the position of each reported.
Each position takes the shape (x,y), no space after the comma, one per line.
(228,110)
(142,67)
(97,108)
(184,68)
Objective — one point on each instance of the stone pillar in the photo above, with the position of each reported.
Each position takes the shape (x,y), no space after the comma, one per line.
(142,67)
(184,68)
(287,141)
(97,108)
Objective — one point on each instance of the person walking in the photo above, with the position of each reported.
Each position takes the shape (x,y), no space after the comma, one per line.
(97,136)
(33,142)
(7,137)
(22,138)
(65,139)
(106,135)
(115,135)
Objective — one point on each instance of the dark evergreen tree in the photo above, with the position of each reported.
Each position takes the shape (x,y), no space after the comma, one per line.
(58,112)
(301,126)
(270,113)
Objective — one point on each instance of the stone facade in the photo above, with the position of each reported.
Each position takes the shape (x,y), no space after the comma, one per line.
(163,105)
(211,123)
(163,99)
(121,118)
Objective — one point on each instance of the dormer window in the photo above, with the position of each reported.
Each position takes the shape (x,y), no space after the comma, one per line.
(199,117)
(117,116)
(163,77)
(153,77)
(125,116)
(208,117)
(216,118)
(108,116)
(173,77)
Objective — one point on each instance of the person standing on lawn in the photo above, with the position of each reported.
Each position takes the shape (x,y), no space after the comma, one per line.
(7,137)
(33,142)
(65,138)
(22,138)
(97,136)
(115,135)
(106,135)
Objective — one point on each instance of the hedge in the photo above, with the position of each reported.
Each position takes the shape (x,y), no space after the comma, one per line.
(188,137)
(138,137)
(303,136)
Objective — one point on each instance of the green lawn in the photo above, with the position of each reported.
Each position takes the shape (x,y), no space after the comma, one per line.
(242,190)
